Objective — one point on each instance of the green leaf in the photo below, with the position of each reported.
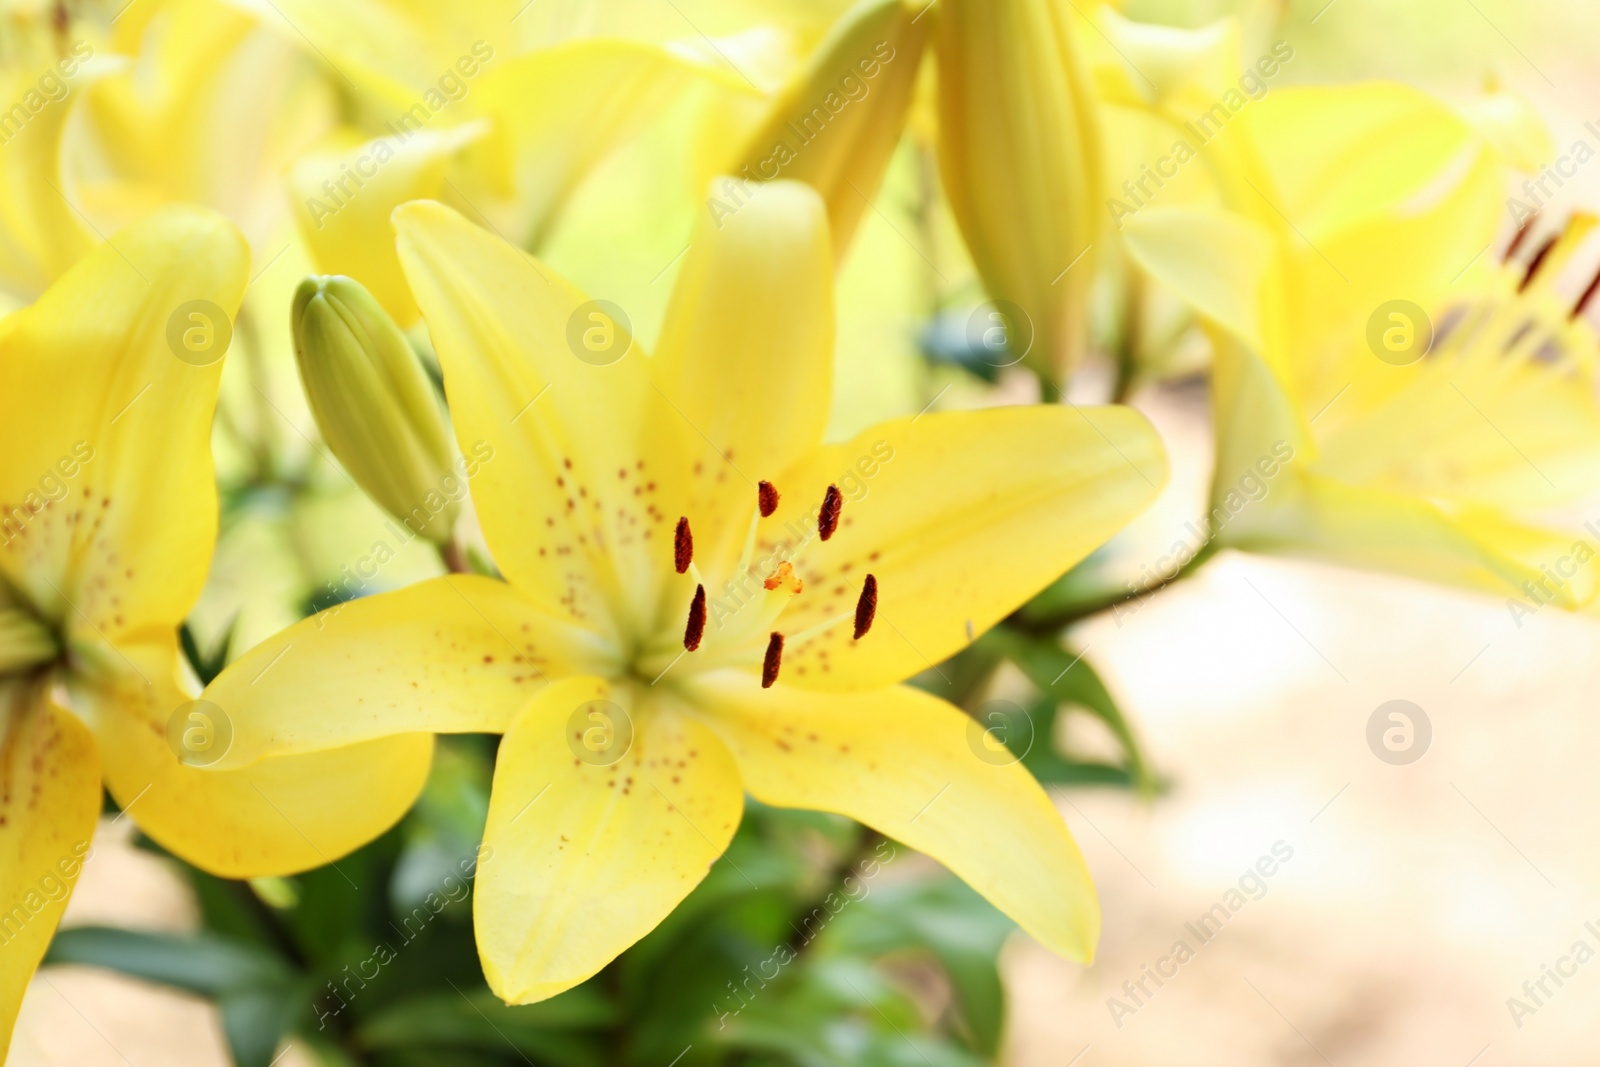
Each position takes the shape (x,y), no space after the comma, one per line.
(205,964)
(1069,679)
(256,1020)
(551,1032)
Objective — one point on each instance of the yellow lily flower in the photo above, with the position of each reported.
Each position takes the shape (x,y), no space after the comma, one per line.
(108,513)
(1372,407)
(701,599)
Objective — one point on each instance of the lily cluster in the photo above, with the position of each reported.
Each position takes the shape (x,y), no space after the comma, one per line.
(671,581)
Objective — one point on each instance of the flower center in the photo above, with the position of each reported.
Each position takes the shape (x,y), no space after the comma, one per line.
(746,632)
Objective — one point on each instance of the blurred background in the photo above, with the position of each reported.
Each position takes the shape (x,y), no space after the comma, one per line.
(1215,728)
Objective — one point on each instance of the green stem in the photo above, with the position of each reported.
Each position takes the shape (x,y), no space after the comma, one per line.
(1050,624)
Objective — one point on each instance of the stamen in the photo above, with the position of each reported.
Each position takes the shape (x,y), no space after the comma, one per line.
(784,576)
(867,606)
(696,630)
(773,660)
(1536,262)
(828,518)
(1583,301)
(767,494)
(1521,235)
(682,546)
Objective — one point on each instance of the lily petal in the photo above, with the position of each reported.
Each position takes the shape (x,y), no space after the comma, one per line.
(349,232)
(592,97)
(582,858)
(279,816)
(956,531)
(746,358)
(107,499)
(460,654)
(579,499)
(49,801)
(41,234)
(908,765)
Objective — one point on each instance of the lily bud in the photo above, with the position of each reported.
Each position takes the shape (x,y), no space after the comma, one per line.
(837,123)
(1020,153)
(374,404)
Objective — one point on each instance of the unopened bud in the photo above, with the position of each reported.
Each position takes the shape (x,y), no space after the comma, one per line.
(837,123)
(374,403)
(1020,154)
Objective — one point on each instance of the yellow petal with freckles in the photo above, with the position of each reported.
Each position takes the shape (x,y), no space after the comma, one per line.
(583,857)
(279,816)
(746,359)
(107,498)
(909,765)
(957,530)
(461,654)
(49,801)
(579,499)
(343,200)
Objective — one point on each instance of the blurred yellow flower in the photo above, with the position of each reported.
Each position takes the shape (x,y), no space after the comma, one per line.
(1440,413)
(702,599)
(108,513)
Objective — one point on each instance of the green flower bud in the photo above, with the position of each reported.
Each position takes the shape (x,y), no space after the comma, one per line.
(375,406)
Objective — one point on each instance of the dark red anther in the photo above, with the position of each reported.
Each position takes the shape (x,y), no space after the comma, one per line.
(767,496)
(772,661)
(828,517)
(696,630)
(682,546)
(867,606)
